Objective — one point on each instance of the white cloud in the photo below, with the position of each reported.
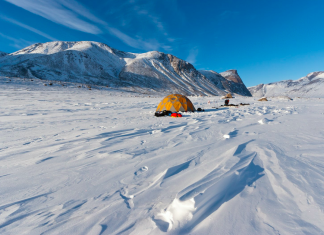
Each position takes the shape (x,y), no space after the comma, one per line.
(56,12)
(136,43)
(15,42)
(81,10)
(74,15)
(193,53)
(28,28)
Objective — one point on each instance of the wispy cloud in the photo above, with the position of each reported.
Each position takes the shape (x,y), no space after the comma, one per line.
(74,15)
(147,11)
(56,12)
(16,42)
(27,27)
(193,53)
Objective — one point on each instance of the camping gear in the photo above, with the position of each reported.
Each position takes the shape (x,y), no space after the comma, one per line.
(176,103)
(228,95)
(159,114)
(200,110)
(175,115)
(162,113)
(226,102)
(263,99)
(230,105)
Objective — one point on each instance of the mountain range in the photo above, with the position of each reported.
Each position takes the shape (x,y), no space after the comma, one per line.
(311,85)
(96,63)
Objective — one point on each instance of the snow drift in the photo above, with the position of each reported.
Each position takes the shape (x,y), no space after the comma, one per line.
(79,161)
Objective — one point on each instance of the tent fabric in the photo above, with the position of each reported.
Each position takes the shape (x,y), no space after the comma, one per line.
(176,103)
(263,99)
(228,95)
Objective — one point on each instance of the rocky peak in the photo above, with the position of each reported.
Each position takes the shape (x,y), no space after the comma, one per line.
(232,75)
(180,65)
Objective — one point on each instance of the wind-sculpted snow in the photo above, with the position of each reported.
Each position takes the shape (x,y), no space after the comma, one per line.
(98,64)
(80,161)
(311,86)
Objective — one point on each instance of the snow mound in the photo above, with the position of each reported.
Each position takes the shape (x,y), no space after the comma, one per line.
(264,121)
(176,215)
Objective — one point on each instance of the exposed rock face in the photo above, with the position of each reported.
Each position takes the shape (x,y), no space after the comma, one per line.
(97,63)
(311,85)
(232,75)
(228,81)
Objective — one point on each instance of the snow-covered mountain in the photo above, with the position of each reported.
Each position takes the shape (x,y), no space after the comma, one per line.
(228,80)
(3,53)
(310,86)
(96,63)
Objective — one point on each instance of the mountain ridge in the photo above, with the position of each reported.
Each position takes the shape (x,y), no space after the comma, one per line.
(312,85)
(97,63)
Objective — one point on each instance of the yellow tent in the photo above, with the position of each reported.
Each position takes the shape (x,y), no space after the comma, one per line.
(228,95)
(176,103)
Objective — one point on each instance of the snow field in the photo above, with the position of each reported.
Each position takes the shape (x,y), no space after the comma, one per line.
(79,161)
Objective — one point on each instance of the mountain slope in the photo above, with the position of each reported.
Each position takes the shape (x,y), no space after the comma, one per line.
(96,63)
(3,53)
(228,81)
(311,85)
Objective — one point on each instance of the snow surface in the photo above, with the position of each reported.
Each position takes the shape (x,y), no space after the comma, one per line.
(80,161)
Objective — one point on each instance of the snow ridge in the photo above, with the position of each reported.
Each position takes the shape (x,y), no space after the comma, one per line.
(311,85)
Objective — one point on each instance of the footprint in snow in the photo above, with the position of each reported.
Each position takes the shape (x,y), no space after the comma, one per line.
(128,199)
(264,121)
(141,170)
(231,134)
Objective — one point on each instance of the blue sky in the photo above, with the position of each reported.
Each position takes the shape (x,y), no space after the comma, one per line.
(265,40)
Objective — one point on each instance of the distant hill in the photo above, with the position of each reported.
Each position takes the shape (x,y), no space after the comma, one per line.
(311,85)
(96,63)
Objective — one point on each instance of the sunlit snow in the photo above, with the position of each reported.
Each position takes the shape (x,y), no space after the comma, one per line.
(80,161)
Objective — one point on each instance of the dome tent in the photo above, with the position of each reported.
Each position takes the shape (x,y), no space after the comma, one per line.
(263,99)
(176,103)
(228,95)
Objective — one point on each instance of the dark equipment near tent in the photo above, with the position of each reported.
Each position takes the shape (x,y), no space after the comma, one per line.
(162,113)
(200,110)
(227,104)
